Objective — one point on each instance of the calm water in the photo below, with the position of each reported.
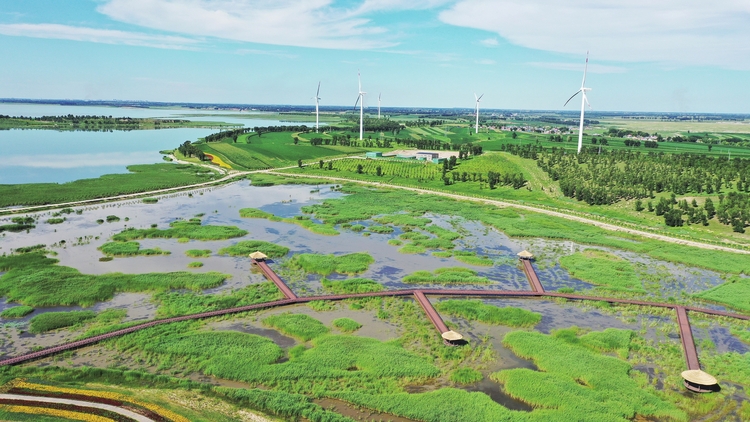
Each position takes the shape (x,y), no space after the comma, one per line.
(35,156)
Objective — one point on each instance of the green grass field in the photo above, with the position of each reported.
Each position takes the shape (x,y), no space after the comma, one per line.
(141,178)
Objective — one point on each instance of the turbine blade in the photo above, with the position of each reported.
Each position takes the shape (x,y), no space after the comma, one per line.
(359,79)
(572,96)
(475,97)
(480,97)
(318,93)
(357,102)
(585,68)
(585,98)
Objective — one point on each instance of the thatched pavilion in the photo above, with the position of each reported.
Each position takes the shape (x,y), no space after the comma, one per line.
(524,254)
(258,256)
(699,381)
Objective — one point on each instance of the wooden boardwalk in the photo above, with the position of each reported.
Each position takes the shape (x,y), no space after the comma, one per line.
(432,314)
(271,275)
(686,334)
(691,355)
(536,285)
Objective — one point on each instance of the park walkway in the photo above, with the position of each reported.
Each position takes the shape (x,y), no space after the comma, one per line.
(271,275)
(686,335)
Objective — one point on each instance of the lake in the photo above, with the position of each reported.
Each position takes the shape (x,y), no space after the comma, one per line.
(36,156)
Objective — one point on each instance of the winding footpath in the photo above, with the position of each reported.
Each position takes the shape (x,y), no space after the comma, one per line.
(24,399)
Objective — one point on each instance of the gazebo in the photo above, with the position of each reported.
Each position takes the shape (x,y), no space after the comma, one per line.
(699,381)
(450,337)
(258,256)
(524,254)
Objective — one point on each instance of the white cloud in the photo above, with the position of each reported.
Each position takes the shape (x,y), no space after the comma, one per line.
(106,36)
(673,32)
(302,23)
(68,161)
(489,42)
(578,67)
(485,61)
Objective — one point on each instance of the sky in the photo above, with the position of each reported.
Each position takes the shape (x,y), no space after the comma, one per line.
(644,55)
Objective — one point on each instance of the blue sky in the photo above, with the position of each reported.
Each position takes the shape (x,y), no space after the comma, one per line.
(671,55)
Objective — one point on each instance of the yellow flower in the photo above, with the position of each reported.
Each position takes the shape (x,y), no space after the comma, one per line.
(67,414)
(19,383)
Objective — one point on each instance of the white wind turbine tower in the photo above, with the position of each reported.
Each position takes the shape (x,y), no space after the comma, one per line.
(477,110)
(584,102)
(379,105)
(317,99)
(361,101)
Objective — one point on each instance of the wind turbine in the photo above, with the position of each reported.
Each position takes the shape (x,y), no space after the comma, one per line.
(584,102)
(379,105)
(477,109)
(317,99)
(361,101)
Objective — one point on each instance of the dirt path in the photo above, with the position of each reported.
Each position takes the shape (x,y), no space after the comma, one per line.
(115,409)
(503,204)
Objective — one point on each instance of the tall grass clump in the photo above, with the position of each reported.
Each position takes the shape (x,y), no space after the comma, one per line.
(49,321)
(191,229)
(471,259)
(476,310)
(17,312)
(198,253)
(150,200)
(603,269)
(346,325)
(246,247)
(466,376)
(303,327)
(352,285)
(573,381)
(448,275)
(734,293)
(380,229)
(352,263)
(32,248)
(128,249)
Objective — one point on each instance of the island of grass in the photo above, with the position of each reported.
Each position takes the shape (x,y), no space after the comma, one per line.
(49,321)
(346,325)
(448,275)
(477,310)
(352,285)
(246,247)
(471,258)
(300,220)
(352,263)
(195,264)
(35,280)
(129,249)
(466,376)
(603,269)
(142,178)
(198,253)
(17,312)
(734,293)
(303,327)
(191,229)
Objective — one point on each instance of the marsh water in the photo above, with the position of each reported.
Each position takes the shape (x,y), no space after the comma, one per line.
(76,241)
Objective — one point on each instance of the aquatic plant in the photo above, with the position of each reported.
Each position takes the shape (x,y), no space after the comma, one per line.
(603,269)
(17,312)
(346,325)
(49,321)
(477,310)
(352,285)
(448,275)
(195,264)
(301,326)
(466,376)
(735,293)
(198,253)
(191,229)
(352,263)
(128,249)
